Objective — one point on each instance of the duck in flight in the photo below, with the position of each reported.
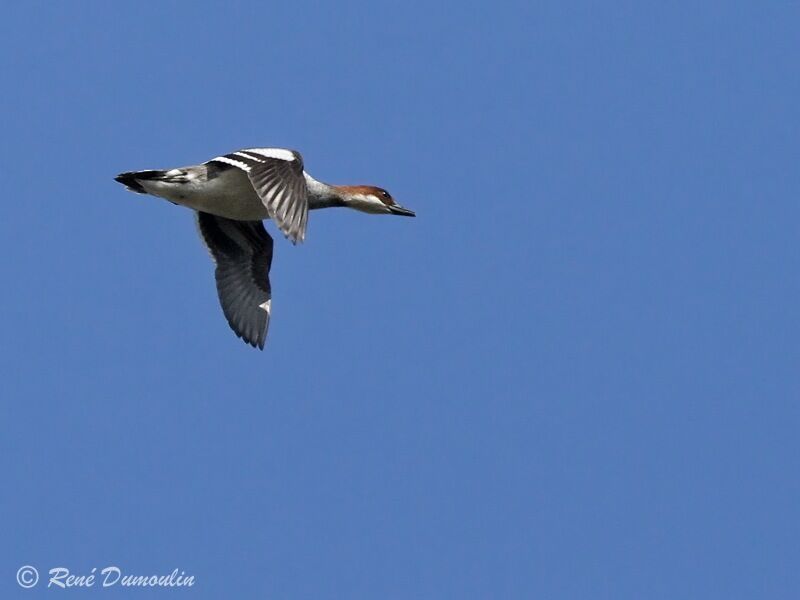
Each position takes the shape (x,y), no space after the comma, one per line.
(231,195)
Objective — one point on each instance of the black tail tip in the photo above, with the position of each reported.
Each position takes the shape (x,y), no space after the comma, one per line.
(129,181)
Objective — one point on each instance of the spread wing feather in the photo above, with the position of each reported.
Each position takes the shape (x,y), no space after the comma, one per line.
(242,251)
(277,177)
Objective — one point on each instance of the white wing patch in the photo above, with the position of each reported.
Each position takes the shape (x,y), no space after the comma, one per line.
(278,153)
(267,306)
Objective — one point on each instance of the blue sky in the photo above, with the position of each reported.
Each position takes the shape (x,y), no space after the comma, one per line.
(573,375)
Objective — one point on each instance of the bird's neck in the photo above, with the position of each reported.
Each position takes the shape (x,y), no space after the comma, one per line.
(323,195)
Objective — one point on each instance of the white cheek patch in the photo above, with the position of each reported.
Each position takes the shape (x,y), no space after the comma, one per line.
(369,203)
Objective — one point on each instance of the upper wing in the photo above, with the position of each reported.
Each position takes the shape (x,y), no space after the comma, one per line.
(277,177)
(243,253)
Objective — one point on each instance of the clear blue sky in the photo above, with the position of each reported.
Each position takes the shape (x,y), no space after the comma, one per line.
(574,375)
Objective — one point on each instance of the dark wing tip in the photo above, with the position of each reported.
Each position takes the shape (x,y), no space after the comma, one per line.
(257,343)
(252,331)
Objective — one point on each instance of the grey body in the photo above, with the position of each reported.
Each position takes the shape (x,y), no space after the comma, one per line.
(223,192)
(228,192)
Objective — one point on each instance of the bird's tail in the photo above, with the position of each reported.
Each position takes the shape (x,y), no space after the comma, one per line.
(131,179)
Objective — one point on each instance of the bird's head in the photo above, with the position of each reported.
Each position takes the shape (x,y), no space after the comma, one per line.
(371,199)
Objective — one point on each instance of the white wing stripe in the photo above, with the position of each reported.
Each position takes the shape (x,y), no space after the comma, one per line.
(234,163)
(278,153)
(249,157)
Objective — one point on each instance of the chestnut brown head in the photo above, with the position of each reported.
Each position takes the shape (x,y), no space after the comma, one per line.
(371,199)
